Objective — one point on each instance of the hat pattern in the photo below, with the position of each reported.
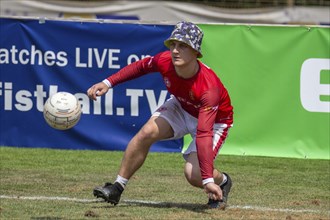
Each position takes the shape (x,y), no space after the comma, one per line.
(188,33)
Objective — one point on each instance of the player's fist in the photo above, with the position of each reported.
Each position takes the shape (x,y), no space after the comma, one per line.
(98,89)
(213,190)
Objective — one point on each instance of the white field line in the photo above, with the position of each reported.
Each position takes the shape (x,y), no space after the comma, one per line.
(247,207)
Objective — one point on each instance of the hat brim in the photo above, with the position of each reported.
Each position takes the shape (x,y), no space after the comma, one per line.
(168,42)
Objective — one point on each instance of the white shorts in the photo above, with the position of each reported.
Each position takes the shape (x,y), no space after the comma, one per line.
(183,123)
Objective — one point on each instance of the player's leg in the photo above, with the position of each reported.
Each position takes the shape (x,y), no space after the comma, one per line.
(155,129)
(166,123)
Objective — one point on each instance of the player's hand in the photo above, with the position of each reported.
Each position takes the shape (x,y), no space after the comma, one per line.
(213,190)
(98,89)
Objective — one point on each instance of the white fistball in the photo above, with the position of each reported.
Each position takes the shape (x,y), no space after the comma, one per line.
(62,111)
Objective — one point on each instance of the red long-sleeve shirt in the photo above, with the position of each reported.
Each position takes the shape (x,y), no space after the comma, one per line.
(203,96)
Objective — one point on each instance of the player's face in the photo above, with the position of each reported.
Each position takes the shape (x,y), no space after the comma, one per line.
(182,54)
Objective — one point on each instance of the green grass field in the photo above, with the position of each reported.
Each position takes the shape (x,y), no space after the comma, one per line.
(57,184)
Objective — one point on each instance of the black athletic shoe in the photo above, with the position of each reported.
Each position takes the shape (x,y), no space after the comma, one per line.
(221,204)
(109,192)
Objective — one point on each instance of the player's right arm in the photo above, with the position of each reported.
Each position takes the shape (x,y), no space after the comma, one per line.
(98,89)
(131,71)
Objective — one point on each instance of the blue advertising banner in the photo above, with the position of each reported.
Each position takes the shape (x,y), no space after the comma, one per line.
(41,57)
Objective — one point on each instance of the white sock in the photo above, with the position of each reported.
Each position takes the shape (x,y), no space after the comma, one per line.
(224,179)
(122,180)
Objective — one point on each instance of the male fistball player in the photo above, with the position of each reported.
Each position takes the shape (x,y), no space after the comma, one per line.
(199,106)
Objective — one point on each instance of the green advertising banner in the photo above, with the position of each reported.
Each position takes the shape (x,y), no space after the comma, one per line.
(279,81)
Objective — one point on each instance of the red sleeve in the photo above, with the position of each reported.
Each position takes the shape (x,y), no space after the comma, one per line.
(134,70)
(204,136)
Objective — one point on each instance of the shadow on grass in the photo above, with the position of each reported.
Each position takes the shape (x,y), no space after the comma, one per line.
(187,206)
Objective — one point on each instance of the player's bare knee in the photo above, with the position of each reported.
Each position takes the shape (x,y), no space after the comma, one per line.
(147,133)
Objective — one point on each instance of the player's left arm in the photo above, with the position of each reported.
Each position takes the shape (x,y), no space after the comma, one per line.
(204,137)
(204,141)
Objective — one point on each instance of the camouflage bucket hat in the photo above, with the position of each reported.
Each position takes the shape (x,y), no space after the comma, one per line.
(189,34)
